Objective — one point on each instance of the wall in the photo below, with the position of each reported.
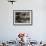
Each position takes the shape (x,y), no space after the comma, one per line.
(38,29)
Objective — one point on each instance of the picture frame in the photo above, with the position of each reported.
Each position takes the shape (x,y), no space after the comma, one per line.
(22,17)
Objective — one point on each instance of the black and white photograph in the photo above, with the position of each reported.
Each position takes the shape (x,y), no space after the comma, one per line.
(22,16)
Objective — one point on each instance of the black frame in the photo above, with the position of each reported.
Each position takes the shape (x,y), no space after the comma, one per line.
(25,11)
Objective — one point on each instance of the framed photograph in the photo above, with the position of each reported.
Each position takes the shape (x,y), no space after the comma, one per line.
(22,17)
